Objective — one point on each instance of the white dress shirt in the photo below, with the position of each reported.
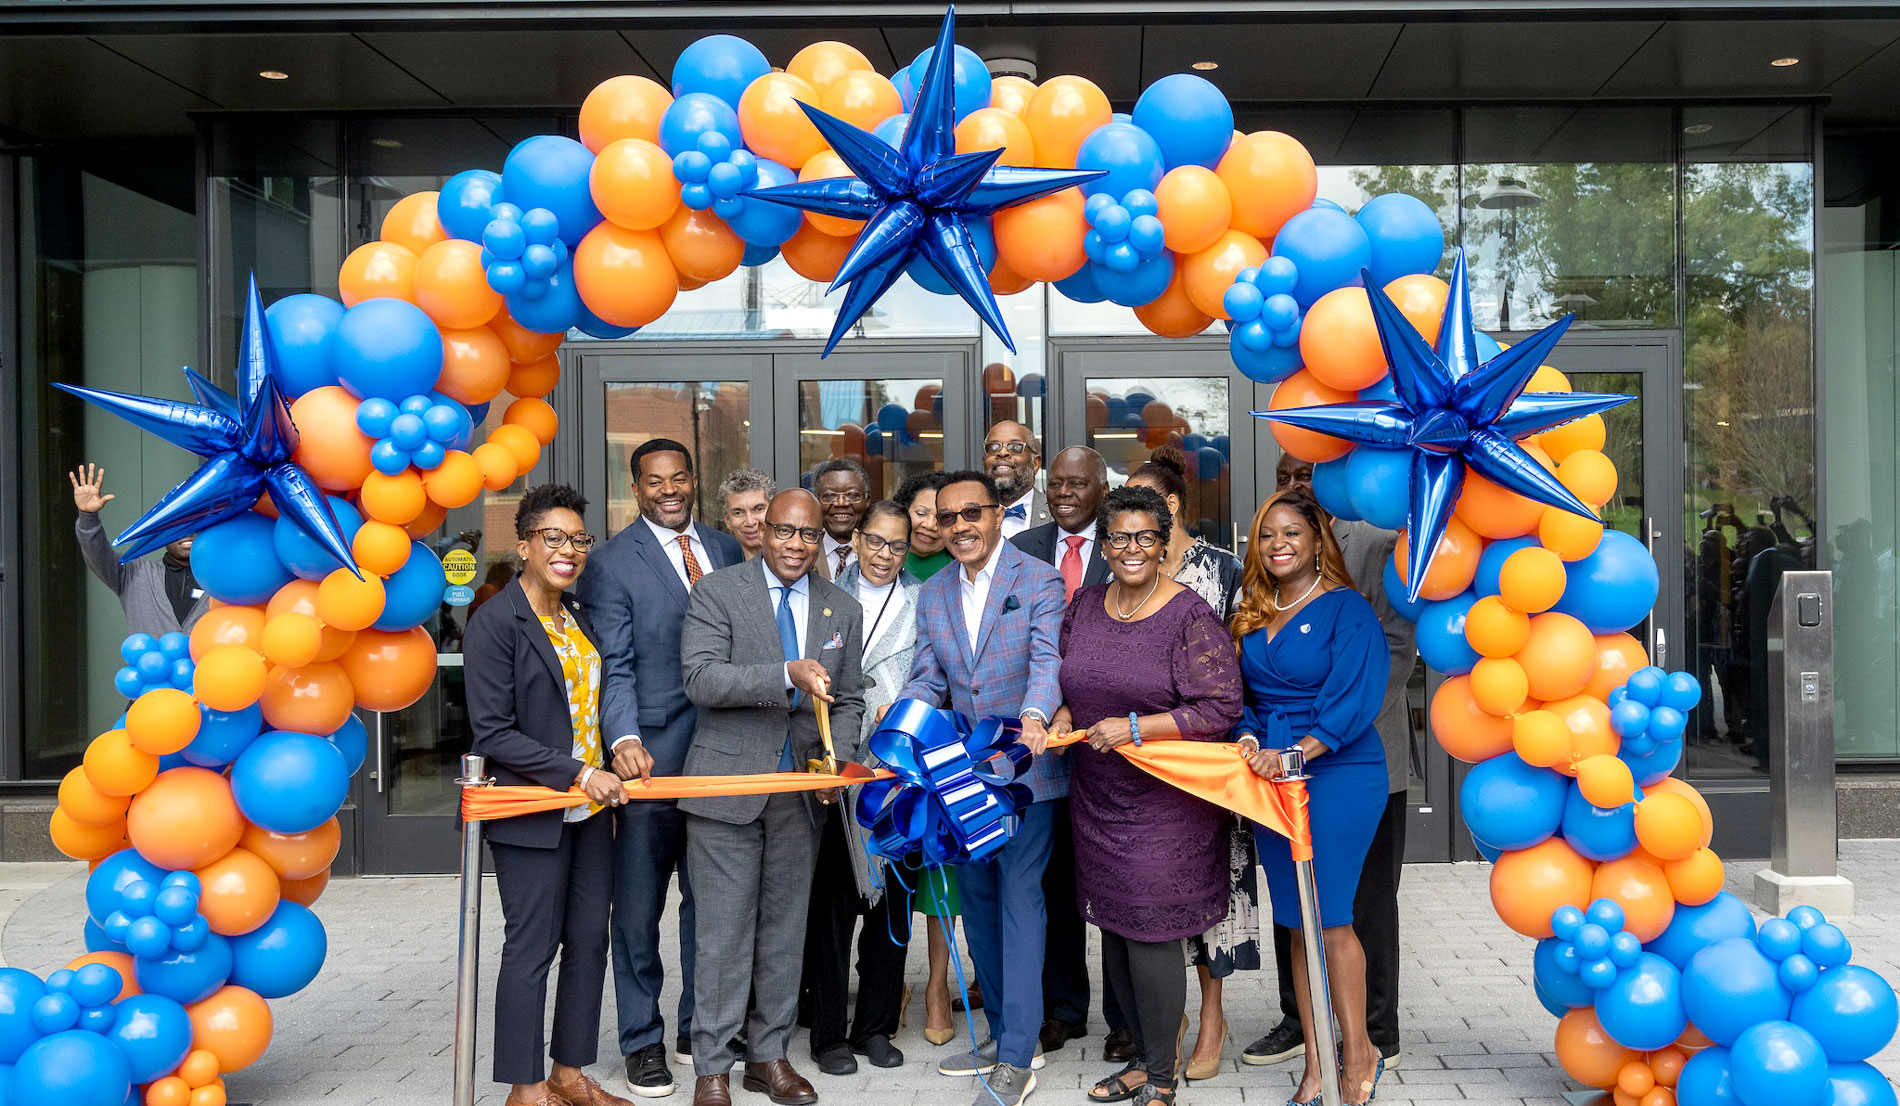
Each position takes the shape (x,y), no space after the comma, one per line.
(832,569)
(1015,526)
(670,541)
(801,606)
(1087,534)
(976,593)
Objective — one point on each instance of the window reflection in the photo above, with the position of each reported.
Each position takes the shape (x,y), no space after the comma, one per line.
(894,428)
(711,417)
(1128,419)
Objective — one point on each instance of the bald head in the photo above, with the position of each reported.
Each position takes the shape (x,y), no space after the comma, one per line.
(1011,457)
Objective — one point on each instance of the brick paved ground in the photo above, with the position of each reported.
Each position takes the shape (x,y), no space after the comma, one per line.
(376,1026)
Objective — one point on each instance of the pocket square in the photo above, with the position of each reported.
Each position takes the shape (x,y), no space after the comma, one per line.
(837,640)
(1011,604)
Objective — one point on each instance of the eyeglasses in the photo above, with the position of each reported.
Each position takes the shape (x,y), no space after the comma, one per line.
(833,499)
(874,543)
(968,514)
(1146,539)
(1017,449)
(555,538)
(784,531)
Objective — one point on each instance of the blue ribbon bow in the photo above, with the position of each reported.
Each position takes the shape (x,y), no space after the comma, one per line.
(952,801)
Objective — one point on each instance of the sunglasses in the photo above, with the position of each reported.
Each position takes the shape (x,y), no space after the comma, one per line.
(555,538)
(968,514)
(991,449)
(784,531)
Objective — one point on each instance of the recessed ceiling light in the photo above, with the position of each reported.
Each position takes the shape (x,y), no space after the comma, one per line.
(387,143)
(1783,63)
(273,74)
(1698,128)
(1205,66)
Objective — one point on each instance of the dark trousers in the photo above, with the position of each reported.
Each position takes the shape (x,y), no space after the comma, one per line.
(552,899)
(649,846)
(882,943)
(1065,968)
(1149,979)
(1375,919)
(1004,922)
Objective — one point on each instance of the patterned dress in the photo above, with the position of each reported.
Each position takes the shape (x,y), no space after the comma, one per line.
(580,668)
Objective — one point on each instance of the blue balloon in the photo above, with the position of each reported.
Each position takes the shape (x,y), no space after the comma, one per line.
(1778,1063)
(906,91)
(1080,286)
(551,171)
(136,646)
(1442,645)
(236,560)
(1653,765)
(1548,1001)
(1404,234)
(148,936)
(761,222)
(1327,247)
(1858,1084)
(1379,483)
(1705,1080)
(1613,588)
(1189,118)
(223,734)
(1826,945)
(154,1033)
(1208,462)
(1643,1008)
(1596,833)
(698,113)
(1511,804)
(891,130)
(97,940)
(1850,1010)
(55,1011)
(1129,156)
(352,740)
(301,553)
(719,65)
(1692,928)
(300,328)
(106,884)
(1563,986)
(1029,385)
(466,203)
(1488,851)
(174,905)
(72,1068)
(386,347)
(19,992)
(1268,366)
(1395,591)
(283,955)
(969,78)
(183,976)
(756,256)
(1778,938)
(413,592)
(290,782)
(1329,488)
(1142,286)
(556,310)
(1729,986)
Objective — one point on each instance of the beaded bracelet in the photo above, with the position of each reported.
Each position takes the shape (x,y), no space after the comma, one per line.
(1134,727)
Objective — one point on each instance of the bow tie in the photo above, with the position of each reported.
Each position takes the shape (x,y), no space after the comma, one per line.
(1017,512)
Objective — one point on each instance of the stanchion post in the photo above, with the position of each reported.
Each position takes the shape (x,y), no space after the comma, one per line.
(1319,998)
(468,953)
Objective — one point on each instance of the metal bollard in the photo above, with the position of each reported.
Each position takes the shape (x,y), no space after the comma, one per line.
(1319,997)
(468,954)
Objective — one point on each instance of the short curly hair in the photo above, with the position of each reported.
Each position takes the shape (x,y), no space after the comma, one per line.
(739,481)
(539,500)
(1124,500)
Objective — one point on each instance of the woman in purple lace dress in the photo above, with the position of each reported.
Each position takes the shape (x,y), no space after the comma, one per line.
(1145,659)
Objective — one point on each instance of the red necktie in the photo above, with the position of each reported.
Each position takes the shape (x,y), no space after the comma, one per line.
(1072,566)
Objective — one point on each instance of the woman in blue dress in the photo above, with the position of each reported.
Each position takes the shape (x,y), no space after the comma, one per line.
(1314,659)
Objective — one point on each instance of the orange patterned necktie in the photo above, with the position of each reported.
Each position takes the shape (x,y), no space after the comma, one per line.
(693,571)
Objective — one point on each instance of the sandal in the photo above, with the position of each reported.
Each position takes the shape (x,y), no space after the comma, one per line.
(1370,1089)
(1117,1088)
(1151,1093)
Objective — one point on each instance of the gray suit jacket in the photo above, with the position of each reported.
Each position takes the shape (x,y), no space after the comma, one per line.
(1366,549)
(734,672)
(140,585)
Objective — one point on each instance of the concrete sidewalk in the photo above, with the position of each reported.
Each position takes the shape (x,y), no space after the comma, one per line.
(375,1028)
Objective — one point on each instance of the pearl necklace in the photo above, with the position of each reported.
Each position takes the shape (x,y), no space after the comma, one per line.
(1309,591)
(1144,600)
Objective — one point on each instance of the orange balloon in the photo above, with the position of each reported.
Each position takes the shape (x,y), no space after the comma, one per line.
(1571,537)
(863,98)
(1672,785)
(376,269)
(83,842)
(348,602)
(240,891)
(168,1091)
(623,107)
(1527,884)
(300,597)
(1173,314)
(229,677)
(295,856)
(1462,728)
(524,345)
(822,63)
(428,523)
(1588,721)
(995,129)
(1042,239)
(1494,629)
(1339,341)
(1666,1065)
(1211,272)
(1587,1053)
(1635,1078)
(1605,781)
(534,415)
(1668,825)
(538,377)
(1541,738)
(701,245)
(474,365)
(1547,379)
(1641,889)
(313,699)
(1303,389)
(456,481)
(185,820)
(330,447)
(1532,580)
(305,892)
(119,962)
(1696,878)
(412,223)
(1560,656)
(1271,178)
(1005,281)
(379,547)
(293,640)
(396,499)
(773,124)
(200,1068)
(390,669)
(163,720)
(1497,512)
(1499,685)
(234,1024)
(1454,566)
(633,185)
(228,625)
(813,254)
(499,469)
(1012,94)
(519,441)
(1420,297)
(452,287)
(1194,208)
(1590,475)
(1618,655)
(1063,112)
(88,805)
(826,165)
(1587,432)
(625,276)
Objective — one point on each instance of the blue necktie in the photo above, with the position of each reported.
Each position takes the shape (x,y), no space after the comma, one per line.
(1017,512)
(788,644)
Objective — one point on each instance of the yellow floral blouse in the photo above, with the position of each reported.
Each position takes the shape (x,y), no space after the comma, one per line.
(580,666)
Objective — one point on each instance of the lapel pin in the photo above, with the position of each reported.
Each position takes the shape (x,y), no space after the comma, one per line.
(827,612)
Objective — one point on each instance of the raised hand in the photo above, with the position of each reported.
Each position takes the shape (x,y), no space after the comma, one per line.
(88,480)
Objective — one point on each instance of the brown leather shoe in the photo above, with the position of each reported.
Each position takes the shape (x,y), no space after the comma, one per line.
(777,1079)
(712,1090)
(549,1099)
(583,1091)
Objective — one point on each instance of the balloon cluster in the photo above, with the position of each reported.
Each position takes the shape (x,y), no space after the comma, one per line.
(522,250)
(1265,317)
(713,174)
(153,920)
(416,432)
(153,663)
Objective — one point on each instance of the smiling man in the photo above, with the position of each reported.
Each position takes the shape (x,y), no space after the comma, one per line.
(1012,457)
(844,491)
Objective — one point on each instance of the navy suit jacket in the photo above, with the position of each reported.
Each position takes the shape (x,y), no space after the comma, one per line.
(1042,542)
(636,604)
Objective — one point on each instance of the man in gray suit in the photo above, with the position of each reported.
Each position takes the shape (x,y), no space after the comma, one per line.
(1012,457)
(761,643)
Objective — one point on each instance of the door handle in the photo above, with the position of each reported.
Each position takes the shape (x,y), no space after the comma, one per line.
(376,761)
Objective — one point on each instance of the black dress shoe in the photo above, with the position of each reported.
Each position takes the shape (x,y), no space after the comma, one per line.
(1056,1033)
(836,1060)
(878,1049)
(647,1073)
(1119,1046)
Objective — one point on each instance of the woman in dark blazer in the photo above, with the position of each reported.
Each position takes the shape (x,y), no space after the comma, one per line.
(533,678)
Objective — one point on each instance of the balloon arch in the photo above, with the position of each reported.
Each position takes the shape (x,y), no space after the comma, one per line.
(209,812)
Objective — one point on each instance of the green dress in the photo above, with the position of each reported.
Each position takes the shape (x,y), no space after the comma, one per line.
(925,565)
(936,891)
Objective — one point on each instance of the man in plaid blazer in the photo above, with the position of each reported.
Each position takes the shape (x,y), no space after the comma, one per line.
(986,645)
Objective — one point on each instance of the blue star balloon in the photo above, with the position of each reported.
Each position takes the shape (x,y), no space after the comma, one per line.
(914,199)
(246,440)
(1456,413)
